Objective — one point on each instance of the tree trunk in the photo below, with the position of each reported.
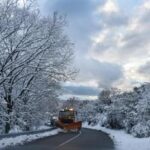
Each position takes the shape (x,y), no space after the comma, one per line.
(9,111)
(7,127)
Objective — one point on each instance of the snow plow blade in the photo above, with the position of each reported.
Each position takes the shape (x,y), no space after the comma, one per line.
(70,126)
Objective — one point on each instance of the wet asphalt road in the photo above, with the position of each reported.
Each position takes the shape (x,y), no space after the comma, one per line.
(85,140)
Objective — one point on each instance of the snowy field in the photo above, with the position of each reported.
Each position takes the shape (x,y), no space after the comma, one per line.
(25,138)
(122,140)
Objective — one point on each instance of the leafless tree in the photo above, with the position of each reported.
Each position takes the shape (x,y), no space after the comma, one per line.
(32,49)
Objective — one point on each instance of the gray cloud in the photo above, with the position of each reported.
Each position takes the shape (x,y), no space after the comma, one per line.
(103,72)
(145,69)
(113,19)
(144,16)
(81,90)
(136,40)
(84,22)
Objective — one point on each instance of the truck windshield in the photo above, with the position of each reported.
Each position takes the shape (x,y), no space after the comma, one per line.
(66,113)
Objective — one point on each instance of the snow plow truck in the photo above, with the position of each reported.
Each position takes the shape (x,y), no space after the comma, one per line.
(67,120)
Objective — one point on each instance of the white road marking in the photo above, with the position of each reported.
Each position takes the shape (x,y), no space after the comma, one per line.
(68,141)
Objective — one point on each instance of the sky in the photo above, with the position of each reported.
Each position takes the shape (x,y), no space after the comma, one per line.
(112,44)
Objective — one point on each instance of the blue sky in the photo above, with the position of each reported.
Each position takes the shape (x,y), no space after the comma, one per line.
(112,44)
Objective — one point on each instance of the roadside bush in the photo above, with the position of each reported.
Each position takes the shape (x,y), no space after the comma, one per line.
(141,130)
(130,121)
(114,120)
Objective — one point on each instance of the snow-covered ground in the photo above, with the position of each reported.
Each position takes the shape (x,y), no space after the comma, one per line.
(17,129)
(122,140)
(25,138)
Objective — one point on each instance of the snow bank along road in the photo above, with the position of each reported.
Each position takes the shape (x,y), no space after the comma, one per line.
(24,133)
(87,139)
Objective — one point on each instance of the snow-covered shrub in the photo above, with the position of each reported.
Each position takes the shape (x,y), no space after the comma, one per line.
(148,123)
(141,130)
(114,120)
(103,119)
(15,129)
(130,121)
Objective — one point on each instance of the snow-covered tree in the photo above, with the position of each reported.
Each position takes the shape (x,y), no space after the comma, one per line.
(35,55)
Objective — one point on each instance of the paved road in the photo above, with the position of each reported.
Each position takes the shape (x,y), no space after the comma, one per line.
(85,140)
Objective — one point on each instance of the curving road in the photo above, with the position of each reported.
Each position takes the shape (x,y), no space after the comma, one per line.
(85,140)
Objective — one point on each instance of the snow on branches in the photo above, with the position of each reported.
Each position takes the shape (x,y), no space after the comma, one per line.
(35,55)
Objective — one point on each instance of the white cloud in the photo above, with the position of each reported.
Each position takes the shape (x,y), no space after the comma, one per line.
(127,45)
(109,7)
(100,37)
(146,4)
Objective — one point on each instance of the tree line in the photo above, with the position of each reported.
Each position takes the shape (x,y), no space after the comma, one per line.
(116,109)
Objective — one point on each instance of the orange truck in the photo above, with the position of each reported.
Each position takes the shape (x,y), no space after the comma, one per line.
(67,120)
